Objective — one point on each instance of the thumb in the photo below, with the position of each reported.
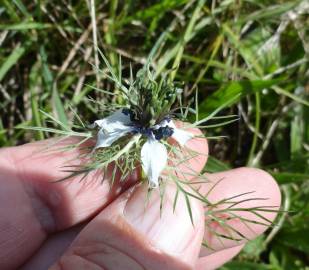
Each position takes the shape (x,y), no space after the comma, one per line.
(132,234)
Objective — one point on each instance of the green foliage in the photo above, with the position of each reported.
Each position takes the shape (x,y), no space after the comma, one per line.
(230,90)
(249,50)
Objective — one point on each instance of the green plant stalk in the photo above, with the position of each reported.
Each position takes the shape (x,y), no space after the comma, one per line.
(186,38)
(257,129)
(109,36)
(36,116)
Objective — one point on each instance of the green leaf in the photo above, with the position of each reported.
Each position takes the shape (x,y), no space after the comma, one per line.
(215,165)
(245,266)
(10,10)
(52,87)
(297,130)
(289,177)
(255,247)
(12,59)
(22,8)
(269,12)
(35,83)
(3,138)
(186,37)
(47,75)
(154,10)
(296,98)
(248,55)
(230,90)
(25,26)
(298,239)
(58,107)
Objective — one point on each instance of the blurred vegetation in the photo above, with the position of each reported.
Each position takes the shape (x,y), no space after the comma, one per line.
(256,49)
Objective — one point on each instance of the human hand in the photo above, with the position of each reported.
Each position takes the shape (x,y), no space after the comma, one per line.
(86,225)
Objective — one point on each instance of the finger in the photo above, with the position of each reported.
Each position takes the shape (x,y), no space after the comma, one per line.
(191,158)
(39,170)
(32,205)
(217,259)
(36,205)
(132,234)
(52,249)
(57,205)
(248,189)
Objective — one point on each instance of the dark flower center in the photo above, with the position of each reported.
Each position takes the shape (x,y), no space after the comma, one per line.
(159,133)
(163,132)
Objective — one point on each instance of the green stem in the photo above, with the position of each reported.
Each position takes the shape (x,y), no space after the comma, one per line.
(257,129)
(186,38)
(286,207)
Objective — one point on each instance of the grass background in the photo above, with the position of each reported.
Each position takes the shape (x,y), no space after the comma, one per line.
(254,49)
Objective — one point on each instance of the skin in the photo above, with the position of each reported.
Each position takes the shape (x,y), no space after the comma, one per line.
(86,225)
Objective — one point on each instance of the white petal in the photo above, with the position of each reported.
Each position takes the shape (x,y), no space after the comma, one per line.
(106,138)
(154,159)
(112,128)
(117,118)
(181,136)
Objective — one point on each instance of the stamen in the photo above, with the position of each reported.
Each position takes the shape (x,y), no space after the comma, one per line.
(160,133)
(163,132)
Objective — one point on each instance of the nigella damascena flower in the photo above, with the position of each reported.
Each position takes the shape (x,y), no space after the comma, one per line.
(153,152)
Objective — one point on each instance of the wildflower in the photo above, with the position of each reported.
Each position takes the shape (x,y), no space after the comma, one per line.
(153,153)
